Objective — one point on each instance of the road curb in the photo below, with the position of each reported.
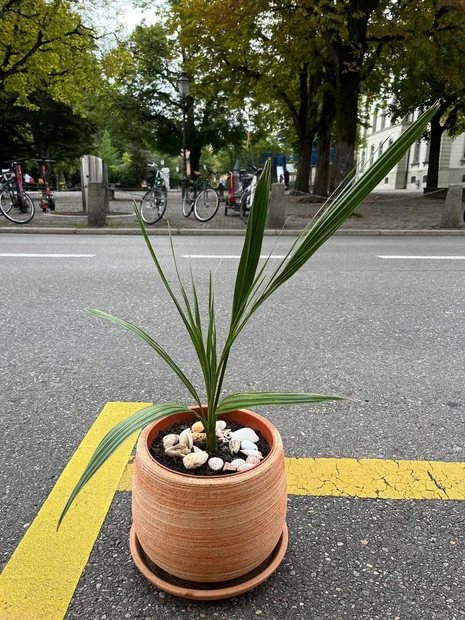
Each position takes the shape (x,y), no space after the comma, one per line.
(229,232)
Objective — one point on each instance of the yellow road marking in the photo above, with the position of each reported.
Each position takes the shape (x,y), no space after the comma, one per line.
(376,478)
(39,580)
(369,478)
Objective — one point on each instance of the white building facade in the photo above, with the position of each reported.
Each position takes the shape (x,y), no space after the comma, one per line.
(410,172)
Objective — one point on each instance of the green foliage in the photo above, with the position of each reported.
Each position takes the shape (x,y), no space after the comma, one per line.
(50,129)
(252,288)
(45,46)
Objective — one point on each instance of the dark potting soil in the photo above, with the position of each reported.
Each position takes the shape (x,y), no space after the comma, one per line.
(157,450)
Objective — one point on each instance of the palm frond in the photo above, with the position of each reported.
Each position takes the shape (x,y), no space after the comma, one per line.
(115,437)
(256,399)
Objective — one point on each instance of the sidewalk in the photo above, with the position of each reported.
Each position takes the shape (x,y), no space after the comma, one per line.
(383,212)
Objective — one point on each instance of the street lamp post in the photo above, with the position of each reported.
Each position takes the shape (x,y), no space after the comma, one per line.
(184,88)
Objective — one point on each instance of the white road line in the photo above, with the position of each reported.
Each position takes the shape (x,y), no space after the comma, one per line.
(224,256)
(425,257)
(27,255)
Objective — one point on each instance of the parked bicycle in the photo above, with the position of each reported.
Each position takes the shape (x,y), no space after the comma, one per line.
(153,204)
(238,184)
(201,198)
(15,204)
(47,202)
(249,194)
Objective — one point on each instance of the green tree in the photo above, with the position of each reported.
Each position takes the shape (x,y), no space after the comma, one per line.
(146,106)
(45,46)
(429,70)
(49,129)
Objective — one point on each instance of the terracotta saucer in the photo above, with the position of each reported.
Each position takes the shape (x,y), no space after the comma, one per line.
(207,591)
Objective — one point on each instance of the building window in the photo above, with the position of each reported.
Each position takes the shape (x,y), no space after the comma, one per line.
(413,179)
(416,153)
(463,179)
(386,180)
(391,142)
(375,119)
(383,120)
(424,178)
(380,149)
(372,154)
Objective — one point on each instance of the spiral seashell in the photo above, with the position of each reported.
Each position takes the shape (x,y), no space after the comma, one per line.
(245,467)
(234,446)
(247,434)
(186,438)
(237,462)
(170,440)
(179,449)
(248,445)
(253,453)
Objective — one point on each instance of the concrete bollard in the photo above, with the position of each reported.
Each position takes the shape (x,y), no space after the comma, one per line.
(453,210)
(277,211)
(96,205)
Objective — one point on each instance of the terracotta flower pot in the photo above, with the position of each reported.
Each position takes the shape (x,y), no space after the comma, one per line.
(209,528)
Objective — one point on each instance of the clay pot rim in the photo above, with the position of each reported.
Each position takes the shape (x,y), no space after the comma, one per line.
(219,477)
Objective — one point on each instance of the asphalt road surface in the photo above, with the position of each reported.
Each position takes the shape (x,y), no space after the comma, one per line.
(379,320)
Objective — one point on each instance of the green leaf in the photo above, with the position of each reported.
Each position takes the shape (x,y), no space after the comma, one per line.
(158,348)
(115,437)
(344,205)
(256,399)
(253,241)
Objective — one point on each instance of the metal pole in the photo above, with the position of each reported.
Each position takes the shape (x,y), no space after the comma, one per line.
(184,158)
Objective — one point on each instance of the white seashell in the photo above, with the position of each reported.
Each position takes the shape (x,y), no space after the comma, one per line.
(220,425)
(196,449)
(197,427)
(170,440)
(186,438)
(237,462)
(245,467)
(248,445)
(215,463)
(245,434)
(252,453)
(234,446)
(178,450)
(255,460)
(195,459)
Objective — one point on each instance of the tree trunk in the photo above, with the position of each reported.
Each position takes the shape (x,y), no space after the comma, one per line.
(194,158)
(302,179)
(321,185)
(348,89)
(305,123)
(434,152)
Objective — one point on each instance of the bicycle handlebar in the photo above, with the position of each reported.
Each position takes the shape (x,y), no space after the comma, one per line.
(13,161)
(46,161)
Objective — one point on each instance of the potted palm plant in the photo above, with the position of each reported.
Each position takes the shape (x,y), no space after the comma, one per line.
(184,508)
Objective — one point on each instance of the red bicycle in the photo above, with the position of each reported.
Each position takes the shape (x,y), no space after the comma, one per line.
(15,204)
(47,201)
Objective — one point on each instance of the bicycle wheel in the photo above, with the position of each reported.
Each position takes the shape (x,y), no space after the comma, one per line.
(6,201)
(245,206)
(206,205)
(153,205)
(18,211)
(188,202)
